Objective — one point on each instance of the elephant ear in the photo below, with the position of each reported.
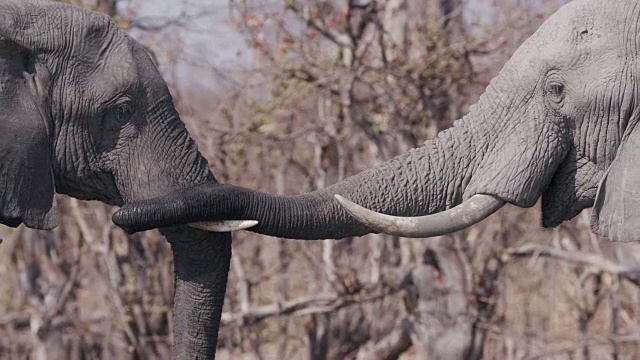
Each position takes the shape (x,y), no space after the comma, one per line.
(40,26)
(616,212)
(26,177)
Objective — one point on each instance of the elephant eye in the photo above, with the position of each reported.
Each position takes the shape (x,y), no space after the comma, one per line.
(555,91)
(123,112)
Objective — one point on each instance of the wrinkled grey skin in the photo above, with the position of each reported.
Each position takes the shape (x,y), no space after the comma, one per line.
(84,111)
(559,119)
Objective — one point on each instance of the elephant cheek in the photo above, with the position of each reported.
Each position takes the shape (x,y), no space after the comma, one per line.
(517,169)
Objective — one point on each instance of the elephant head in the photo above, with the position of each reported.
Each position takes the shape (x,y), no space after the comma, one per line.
(85,112)
(558,122)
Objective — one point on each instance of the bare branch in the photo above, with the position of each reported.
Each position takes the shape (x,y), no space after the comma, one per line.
(631,273)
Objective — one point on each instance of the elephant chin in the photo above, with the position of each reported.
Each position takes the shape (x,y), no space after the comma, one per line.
(572,189)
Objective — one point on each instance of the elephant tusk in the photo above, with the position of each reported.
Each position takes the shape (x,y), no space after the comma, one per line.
(223,226)
(471,211)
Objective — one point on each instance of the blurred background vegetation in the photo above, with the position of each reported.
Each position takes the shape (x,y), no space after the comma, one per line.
(321,91)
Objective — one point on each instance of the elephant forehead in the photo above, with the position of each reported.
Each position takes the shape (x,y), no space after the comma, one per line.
(584,30)
(612,21)
(115,72)
(584,20)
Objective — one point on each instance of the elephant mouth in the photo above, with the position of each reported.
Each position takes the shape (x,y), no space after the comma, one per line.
(91,184)
(105,193)
(572,189)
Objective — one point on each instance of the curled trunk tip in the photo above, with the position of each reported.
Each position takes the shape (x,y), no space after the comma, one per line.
(470,212)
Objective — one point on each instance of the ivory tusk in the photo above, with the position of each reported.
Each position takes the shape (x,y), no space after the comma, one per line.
(223,226)
(471,211)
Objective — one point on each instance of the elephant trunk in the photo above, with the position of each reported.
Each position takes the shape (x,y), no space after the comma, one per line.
(425,180)
(201,262)
(201,266)
(201,259)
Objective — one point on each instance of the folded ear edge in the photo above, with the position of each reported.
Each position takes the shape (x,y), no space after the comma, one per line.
(27,188)
(616,210)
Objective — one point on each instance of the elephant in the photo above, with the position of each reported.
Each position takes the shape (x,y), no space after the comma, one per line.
(558,122)
(84,112)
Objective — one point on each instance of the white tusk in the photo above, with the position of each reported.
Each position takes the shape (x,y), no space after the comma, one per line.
(224,226)
(471,211)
